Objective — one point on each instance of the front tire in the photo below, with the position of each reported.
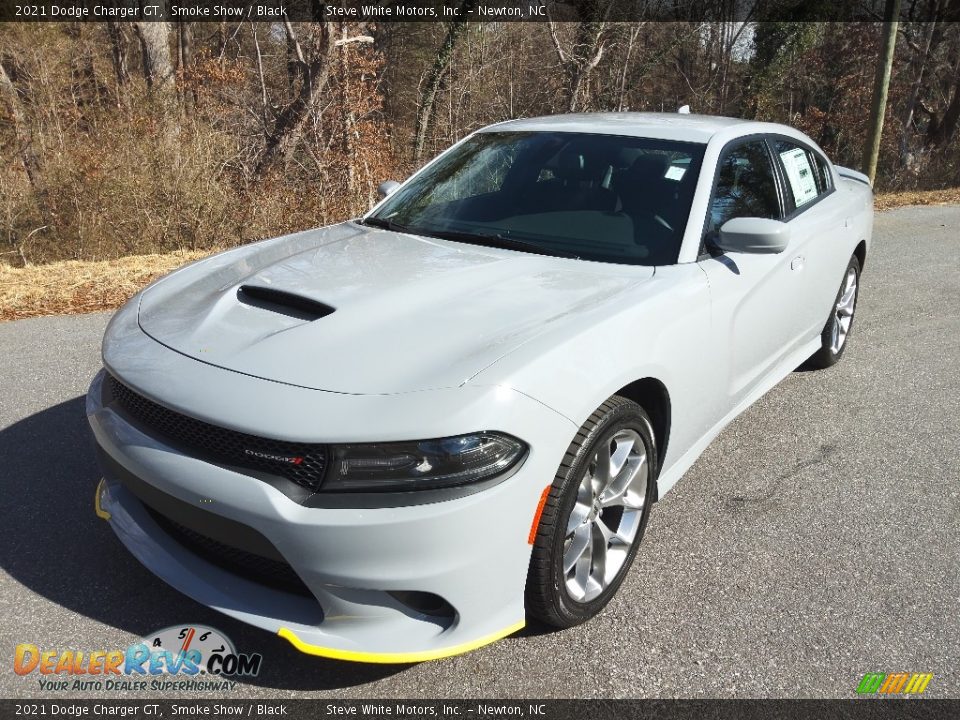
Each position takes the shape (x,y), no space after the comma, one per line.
(594,516)
(833,340)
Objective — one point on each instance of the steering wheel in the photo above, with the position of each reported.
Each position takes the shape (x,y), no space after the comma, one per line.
(648,217)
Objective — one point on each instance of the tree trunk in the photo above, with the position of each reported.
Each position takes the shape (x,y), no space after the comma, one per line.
(288,129)
(634,34)
(157,66)
(185,44)
(579,62)
(941,132)
(159,73)
(346,130)
(185,59)
(24,138)
(440,66)
(911,108)
(871,150)
(942,129)
(118,47)
(586,56)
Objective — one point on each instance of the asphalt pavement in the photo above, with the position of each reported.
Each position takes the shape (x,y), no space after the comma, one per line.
(817,539)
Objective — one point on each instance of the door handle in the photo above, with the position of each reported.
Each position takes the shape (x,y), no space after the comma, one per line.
(797,263)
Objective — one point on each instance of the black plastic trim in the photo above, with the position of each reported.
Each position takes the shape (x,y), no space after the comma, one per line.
(283,302)
(296,491)
(334,500)
(214,526)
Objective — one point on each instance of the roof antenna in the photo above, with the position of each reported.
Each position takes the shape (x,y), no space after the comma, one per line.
(684,110)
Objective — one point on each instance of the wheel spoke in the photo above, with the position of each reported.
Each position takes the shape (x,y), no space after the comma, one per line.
(579,515)
(583,565)
(635,467)
(620,457)
(601,473)
(579,545)
(598,548)
(845,306)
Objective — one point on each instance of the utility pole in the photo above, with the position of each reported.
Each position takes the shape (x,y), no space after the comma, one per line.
(881,84)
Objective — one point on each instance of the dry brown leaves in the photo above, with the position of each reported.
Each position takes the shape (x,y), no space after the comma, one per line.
(888,201)
(73,287)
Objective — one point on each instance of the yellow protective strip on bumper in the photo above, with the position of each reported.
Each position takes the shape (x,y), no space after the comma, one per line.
(101,513)
(412,657)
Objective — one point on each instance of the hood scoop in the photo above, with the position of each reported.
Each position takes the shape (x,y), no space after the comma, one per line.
(283,302)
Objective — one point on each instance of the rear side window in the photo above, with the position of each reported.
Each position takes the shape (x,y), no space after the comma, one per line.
(823,173)
(745,186)
(806,173)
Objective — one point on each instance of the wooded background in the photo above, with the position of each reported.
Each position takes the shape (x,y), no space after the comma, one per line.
(123,138)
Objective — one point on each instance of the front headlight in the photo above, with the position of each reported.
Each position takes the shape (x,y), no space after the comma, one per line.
(422,464)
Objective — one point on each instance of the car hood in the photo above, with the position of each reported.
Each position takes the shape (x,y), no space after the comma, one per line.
(352,309)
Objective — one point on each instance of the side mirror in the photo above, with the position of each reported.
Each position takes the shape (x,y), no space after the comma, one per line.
(753,235)
(387,187)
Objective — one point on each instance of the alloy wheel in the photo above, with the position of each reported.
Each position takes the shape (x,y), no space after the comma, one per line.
(606,516)
(843,311)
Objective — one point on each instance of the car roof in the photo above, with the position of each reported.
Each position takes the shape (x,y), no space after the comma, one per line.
(659,126)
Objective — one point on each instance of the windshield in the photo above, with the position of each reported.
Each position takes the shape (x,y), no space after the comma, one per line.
(595,197)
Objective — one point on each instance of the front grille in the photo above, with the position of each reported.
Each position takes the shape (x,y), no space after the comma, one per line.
(266,571)
(299,462)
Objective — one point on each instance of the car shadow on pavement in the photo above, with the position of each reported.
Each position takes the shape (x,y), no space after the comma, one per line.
(52,543)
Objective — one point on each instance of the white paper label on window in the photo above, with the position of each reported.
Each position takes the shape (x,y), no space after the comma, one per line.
(797,164)
(675,172)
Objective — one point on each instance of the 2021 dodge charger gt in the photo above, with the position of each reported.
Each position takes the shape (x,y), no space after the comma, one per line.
(396,438)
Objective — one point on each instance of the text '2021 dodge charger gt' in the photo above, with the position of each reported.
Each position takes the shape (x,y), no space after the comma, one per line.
(396,438)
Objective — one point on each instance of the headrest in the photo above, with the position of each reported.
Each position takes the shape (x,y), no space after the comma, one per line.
(649,167)
(571,164)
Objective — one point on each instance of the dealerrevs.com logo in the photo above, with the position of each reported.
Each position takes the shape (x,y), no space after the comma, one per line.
(189,657)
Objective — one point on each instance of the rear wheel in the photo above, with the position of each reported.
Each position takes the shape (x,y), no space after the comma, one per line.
(833,340)
(594,516)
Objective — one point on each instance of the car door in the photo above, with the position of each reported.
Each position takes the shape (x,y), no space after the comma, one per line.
(755,298)
(817,219)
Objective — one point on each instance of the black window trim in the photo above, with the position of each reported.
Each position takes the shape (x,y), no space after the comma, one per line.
(788,197)
(724,151)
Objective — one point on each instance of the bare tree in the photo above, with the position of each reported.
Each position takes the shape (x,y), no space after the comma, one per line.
(116,31)
(579,61)
(24,140)
(440,67)
(157,66)
(631,41)
(943,128)
(313,66)
(185,58)
(919,62)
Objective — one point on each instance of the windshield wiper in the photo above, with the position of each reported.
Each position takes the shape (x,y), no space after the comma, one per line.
(385,224)
(496,240)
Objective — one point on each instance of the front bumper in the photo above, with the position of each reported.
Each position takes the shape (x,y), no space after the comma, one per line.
(472,551)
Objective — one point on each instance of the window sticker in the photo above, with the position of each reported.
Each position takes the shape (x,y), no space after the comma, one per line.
(800,174)
(675,172)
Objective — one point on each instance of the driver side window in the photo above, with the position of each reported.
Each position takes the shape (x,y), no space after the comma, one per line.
(745,186)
